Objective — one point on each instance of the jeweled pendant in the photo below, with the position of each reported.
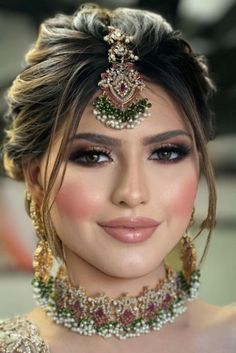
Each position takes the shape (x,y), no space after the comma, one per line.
(121,105)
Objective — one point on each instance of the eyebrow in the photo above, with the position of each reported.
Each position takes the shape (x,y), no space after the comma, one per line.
(111,141)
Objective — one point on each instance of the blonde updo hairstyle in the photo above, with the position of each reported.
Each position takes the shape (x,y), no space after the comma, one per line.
(61,76)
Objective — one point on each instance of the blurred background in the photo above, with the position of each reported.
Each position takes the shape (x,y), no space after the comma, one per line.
(210,26)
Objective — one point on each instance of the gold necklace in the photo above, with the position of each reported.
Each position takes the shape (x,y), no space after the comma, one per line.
(123,317)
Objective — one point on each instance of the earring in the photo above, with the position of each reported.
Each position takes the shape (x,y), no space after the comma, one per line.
(43,260)
(43,257)
(62,270)
(188,252)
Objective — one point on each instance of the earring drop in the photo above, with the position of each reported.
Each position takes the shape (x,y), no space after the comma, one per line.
(43,257)
(188,252)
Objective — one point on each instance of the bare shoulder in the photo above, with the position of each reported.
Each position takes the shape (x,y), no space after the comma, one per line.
(214,324)
(205,314)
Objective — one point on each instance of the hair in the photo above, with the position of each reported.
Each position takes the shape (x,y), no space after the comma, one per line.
(61,76)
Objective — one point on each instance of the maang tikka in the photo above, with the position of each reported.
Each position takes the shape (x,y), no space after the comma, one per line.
(121,105)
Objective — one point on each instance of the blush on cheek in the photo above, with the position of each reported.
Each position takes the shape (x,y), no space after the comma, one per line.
(76,201)
(183,197)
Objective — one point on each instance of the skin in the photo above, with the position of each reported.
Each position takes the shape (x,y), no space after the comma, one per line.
(128,184)
(132,181)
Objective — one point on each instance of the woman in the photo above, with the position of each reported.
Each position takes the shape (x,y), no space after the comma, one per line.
(108,126)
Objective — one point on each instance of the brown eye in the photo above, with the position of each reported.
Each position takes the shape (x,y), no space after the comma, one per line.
(165,155)
(90,157)
(170,154)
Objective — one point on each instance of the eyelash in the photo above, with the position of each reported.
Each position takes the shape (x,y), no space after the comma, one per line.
(181,150)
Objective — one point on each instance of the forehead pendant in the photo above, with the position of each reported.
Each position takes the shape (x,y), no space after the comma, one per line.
(120,105)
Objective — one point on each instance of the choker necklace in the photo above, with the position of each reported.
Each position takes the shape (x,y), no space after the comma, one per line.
(123,317)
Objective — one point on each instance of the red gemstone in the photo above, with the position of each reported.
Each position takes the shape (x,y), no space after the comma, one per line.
(77,305)
(59,294)
(150,311)
(100,317)
(167,300)
(77,309)
(127,317)
(104,75)
(123,87)
(60,302)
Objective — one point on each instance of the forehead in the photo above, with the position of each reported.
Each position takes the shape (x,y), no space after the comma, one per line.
(166,115)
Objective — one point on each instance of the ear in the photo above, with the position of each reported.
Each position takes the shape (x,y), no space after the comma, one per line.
(34,180)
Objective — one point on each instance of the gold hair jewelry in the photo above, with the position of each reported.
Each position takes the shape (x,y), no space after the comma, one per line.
(121,105)
(43,258)
(188,252)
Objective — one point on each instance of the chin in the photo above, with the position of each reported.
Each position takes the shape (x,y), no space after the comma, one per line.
(133,268)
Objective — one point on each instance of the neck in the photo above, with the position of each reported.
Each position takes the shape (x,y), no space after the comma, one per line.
(141,310)
(94,281)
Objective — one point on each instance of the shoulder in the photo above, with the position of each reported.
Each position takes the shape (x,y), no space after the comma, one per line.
(229,319)
(214,324)
(210,315)
(20,335)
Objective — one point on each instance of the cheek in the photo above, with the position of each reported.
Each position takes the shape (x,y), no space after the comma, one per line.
(182,197)
(76,200)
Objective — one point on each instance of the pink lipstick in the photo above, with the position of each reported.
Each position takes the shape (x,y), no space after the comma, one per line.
(130,230)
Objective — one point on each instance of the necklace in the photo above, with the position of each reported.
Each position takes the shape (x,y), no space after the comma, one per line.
(123,317)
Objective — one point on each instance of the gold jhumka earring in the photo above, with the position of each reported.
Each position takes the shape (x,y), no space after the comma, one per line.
(188,252)
(43,257)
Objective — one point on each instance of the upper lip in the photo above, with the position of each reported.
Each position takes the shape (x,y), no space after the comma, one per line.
(130,222)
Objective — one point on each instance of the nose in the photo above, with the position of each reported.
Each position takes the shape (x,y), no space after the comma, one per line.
(131,188)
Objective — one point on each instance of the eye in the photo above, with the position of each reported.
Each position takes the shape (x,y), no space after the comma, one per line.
(90,156)
(170,153)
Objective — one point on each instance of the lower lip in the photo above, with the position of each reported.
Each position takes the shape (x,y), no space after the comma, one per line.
(130,235)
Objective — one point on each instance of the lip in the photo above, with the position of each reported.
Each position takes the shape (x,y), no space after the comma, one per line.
(130,230)
(131,222)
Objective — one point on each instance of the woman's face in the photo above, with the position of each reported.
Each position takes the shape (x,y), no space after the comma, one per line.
(150,171)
